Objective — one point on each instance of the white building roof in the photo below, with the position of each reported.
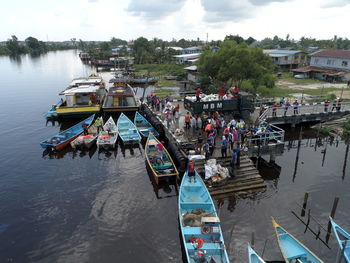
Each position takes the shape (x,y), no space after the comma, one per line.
(194,55)
(81,89)
(90,80)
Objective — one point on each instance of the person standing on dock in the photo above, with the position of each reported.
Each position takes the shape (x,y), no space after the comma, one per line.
(206,150)
(233,162)
(334,105)
(238,157)
(286,106)
(326,105)
(296,107)
(274,110)
(224,144)
(199,143)
(187,120)
(198,93)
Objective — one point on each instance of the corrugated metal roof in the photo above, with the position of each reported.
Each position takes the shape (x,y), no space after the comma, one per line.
(191,68)
(332,53)
(81,89)
(278,51)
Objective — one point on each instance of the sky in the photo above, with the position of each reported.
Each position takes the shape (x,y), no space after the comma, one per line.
(167,19)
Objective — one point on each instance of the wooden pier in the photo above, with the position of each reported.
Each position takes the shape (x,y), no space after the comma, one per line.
(247,179)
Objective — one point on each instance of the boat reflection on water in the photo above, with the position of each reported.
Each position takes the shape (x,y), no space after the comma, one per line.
(129,147)
(51,154)
(108,153)
(165,188)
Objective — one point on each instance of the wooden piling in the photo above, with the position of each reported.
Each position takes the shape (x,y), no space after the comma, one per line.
(334,208)
(252,240)
(306,196)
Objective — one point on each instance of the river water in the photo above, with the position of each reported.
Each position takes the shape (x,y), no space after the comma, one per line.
(103,207)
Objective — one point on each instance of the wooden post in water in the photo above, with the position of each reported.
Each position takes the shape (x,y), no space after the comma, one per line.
(334,208)
(308,220)
(298,150)
(306,196)
(252,241)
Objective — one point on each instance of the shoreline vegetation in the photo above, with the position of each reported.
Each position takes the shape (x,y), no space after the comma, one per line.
(31,45)
(235,62)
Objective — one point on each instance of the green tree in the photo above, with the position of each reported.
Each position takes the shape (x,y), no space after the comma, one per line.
(235,63)
(144,51)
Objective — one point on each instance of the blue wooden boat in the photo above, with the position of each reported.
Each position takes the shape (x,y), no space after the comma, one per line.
(161,169)
(253,257)
(143,126)
(52,113)
(199,223)
(343,239)
(292,249)
(127,130)
(59,141)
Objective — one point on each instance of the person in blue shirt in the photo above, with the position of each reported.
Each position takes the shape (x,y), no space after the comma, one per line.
(224,144)
(296,107)
(238,157)
(206,150)
(233,161)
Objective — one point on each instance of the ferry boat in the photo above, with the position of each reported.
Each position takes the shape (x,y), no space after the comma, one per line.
(81,101)
(93,79)
(120,97)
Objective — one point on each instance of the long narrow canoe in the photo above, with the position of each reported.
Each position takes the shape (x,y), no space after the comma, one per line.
(106,140)
(253,256)
(127,130)
(292,248)
(110,126)
(343,239)
(199,223)
(143,126)
(86,141)
(108,137)
(59,141)
(161,169)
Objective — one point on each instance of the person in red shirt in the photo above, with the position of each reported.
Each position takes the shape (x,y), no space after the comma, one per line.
(274,109)
(198,93)
(191,171)
(160,148)
(221,93)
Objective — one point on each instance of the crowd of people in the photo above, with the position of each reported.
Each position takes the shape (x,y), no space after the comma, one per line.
(336,105)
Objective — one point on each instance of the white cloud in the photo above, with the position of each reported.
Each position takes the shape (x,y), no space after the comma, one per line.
(334,3)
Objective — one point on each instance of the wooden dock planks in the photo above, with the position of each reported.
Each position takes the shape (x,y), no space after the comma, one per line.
(247,178)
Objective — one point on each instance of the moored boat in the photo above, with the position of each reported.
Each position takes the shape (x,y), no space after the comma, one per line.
(143,126)
(162,167)
(52,113)
(81,101)
(86,141)
(108,137)
(292,248)
(143,80)
(93,79)
(62,139)
(343,239)
(120,98)
(199,223)
(253,257)
(127,130)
